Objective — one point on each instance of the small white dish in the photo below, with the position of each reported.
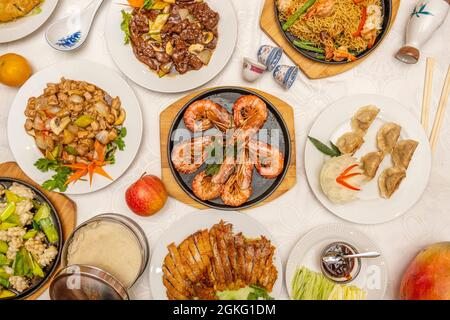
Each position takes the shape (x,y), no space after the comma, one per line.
(127,62)
(370,208)
(252,70)
(373,275)
(69,33)
(23,146)
(22,27)
(205,219)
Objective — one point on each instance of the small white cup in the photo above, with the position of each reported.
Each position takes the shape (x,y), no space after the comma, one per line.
(252,69)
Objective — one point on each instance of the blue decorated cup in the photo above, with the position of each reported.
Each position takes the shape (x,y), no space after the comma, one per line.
(270,56)
(285,75)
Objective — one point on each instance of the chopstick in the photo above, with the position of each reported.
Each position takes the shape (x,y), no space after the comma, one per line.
(440,112)
(427,93)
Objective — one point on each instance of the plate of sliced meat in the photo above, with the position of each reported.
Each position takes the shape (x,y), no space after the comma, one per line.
(216,256)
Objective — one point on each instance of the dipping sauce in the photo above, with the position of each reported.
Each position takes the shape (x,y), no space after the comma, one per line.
(345,270)
(109,246)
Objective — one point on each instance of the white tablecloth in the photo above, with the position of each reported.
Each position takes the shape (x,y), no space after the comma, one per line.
(295,213)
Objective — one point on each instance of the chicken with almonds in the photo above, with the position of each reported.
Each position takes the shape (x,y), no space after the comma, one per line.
(172,36)
(76,124)
(212,261)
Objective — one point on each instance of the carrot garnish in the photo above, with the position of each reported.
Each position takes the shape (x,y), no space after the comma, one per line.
(362,22)
(341,179)
(95,166)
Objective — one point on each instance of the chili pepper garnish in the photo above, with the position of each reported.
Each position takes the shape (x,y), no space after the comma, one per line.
(346,175)
(361,22)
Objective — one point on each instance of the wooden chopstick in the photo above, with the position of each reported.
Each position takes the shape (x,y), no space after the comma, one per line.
(440,112)
(427,88)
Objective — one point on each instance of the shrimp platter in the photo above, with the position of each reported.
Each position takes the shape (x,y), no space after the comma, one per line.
(229,148)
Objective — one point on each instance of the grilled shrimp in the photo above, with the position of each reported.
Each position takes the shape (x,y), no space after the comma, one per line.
(204,188)
(244,169)
(233,195)
(226,169)
(269,160)
(189,155)
(249,112)
(322,9)
(204,114)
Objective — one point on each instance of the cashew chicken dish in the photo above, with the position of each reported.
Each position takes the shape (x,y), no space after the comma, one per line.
(78,127)
(174,36)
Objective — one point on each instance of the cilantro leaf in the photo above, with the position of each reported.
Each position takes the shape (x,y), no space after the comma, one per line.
(58,180)
(44,164)
(258,293)
(125,25)
(212,169)
(119,140)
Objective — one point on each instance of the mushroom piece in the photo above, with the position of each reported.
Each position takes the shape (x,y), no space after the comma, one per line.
(207,37)
(196,48)
(58,125)
(102,137)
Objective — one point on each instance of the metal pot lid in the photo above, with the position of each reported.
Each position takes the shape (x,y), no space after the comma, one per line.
(81,282)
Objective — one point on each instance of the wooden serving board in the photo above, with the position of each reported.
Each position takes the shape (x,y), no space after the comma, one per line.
(66,208)
(168,116)
(312,69)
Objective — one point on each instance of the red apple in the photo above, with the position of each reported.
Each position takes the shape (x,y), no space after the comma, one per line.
(146,196)
(428,275)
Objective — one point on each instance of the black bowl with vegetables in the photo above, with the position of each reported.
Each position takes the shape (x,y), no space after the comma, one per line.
(311,51)
(30,239)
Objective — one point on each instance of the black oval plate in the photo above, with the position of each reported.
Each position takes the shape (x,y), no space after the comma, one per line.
(387,15)
(262,188)
(49,269)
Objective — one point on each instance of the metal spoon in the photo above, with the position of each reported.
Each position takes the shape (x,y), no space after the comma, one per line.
(71,32)
(333,258)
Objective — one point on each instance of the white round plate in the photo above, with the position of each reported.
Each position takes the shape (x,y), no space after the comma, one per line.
(370,208)
(200,220)
(373,275)
(23,146)
(14,30)
(125,59)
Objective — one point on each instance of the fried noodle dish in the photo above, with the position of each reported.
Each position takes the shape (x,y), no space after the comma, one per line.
(335,30)
(210,262)
(172,36)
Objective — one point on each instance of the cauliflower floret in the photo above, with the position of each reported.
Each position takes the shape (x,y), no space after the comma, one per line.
(21,191)
(15,241)
(19,283)
(35,247)
(16,232)
(23,210)
(47,256)
(3,235)
(40,236)
(8,270)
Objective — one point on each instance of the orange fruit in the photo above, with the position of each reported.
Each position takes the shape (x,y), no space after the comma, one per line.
(14,70)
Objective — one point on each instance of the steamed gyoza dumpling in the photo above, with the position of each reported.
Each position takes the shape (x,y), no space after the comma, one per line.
(390,180)
(370,163)
(349,142)
(363,118)
(387,137)
(403,153)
